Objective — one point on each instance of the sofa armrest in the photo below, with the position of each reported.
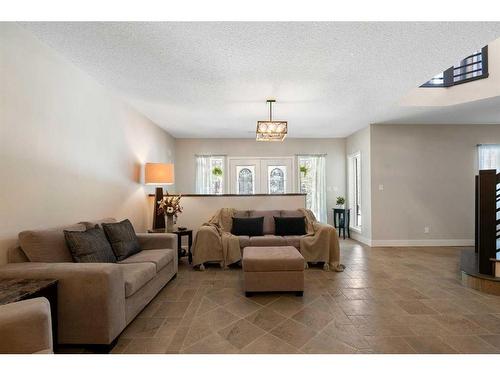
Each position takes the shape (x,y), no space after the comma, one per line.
(26,327)
(151,241)
(91,298)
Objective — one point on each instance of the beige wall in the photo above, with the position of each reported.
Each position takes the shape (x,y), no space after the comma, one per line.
(427,173)
(186,149)
(69,148)
(360,142)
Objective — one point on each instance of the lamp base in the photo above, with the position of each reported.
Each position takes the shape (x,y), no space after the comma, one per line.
(158,220)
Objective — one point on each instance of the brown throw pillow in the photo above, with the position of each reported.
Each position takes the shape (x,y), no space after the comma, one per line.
(122,238)
(90,246)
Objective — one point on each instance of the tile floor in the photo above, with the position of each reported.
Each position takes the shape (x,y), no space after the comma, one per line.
(388,300)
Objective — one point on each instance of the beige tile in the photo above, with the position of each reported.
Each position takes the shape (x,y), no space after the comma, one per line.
(313,318)
(325,344)
(120,346)
(264,299)
(469,344)
(269,344)
(199,329)
(293,333)
(241,333)
(429,345)
(415,307)
(488,321)
(219,318)
(169,309)
(142,328)
(389,345)
(242,307)
(266,318)
(346,333)
(286,306)
(147,346)
(223,296)
(458,324)
(206,305)
(213,344)
(493,340)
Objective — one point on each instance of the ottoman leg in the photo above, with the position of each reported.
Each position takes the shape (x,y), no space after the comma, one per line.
(299,294)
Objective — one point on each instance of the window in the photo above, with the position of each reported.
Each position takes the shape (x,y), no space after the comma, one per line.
(489,157)
(354,188)
(246,179)
(469,69)
(276,179)
(210,171)
(312,182)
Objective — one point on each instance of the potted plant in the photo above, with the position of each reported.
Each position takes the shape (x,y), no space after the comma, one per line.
(217,171)
(340,202)
(303,169)
(170,207)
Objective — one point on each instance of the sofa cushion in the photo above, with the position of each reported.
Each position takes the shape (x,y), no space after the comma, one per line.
(291,213)
(293,241)
(240,213)
(244,241)
(268,216)
(160,257)
(283,258)
(122,237)
(48,246)
(290,226)
(267,240)
(247,226)
(92,224)
(136,275)
(90,246)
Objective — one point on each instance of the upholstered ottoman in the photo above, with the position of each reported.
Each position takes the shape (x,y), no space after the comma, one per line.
(273,269)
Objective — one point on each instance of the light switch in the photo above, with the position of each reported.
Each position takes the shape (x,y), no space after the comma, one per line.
(381,187)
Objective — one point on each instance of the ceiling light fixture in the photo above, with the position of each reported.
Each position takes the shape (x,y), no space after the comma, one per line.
(271,130)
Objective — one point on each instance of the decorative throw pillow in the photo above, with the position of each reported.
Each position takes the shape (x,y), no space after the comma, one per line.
(290,226)
(122,238)
(252,226)
(90,246)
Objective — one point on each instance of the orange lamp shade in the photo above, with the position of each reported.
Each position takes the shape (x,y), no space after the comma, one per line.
(159,174)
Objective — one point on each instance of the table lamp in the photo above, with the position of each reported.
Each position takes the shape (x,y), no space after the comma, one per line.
(158,174)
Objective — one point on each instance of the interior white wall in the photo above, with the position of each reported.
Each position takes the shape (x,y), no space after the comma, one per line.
(186,149)
(361,142)
(427,173)
(69,149)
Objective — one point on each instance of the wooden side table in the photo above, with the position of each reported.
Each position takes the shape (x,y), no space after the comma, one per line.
(180,234)
(341,220)
(15,290)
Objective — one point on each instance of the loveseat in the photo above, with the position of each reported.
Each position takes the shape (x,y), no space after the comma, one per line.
(96,301)
(215,243)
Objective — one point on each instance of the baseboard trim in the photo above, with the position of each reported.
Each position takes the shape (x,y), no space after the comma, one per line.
(420,243)
(358,237)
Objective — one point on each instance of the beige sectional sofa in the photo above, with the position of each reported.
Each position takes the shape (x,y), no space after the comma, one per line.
(26,327)
(96,301)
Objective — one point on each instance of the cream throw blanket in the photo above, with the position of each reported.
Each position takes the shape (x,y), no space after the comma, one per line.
(215,243)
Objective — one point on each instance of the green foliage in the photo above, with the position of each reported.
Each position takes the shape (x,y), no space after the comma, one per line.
(340,201)
(217,171)
(304,170)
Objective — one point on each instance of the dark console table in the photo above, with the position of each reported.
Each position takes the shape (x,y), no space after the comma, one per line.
(341,220)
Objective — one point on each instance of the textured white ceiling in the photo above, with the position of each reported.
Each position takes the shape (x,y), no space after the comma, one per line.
(212,79)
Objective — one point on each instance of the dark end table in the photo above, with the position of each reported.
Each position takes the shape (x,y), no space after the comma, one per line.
(15,290)
(180,234)
(341,220)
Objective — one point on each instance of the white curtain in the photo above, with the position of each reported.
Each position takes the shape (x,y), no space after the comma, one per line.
(203,174)
(489,157)
(314,184)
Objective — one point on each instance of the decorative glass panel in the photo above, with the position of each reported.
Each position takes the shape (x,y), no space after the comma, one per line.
(246,180)
(277,179)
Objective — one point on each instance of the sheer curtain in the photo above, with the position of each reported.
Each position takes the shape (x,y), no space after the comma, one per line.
(489,157)
(210,170)
(313,183)
(203,174)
